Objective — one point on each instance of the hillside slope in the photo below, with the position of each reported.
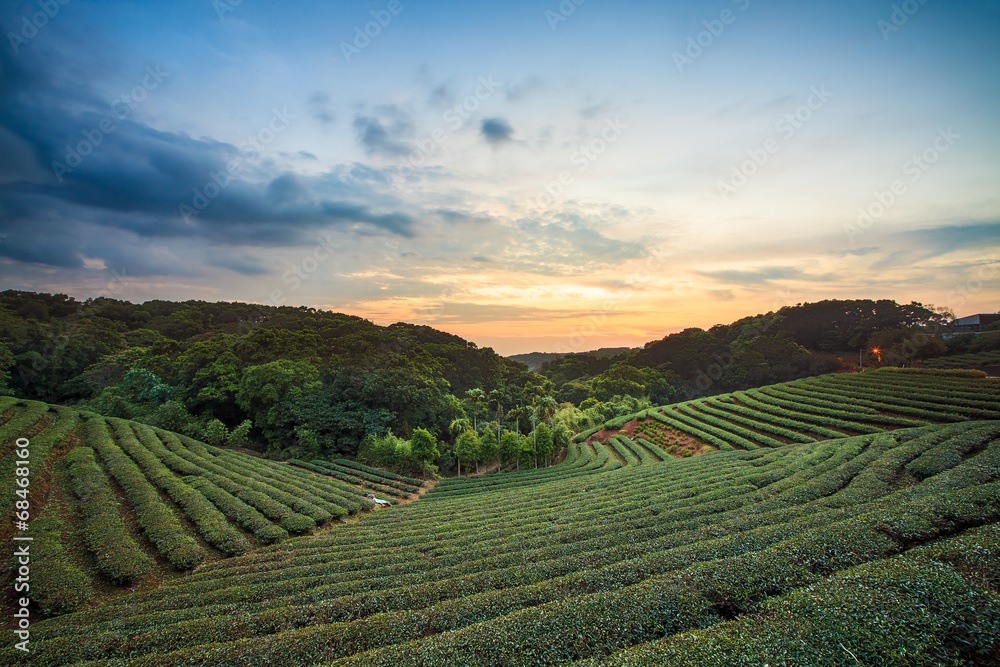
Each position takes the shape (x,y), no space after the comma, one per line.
(828,406)
(114,505)
(883,546)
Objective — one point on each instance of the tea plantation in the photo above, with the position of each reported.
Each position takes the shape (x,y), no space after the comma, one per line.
(844,520)
(117,504)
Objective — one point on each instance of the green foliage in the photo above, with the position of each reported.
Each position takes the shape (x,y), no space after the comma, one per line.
(389,451)
(307,445)
(238,436)
(117,554)
(266,388)
(467,447)
(215,433)
(424,446)
(413,482)
(700,561)
(903,347)
(489,448)
(510,447)
(6,361)
(57,585)
(158,522)
(211,523)
(544,443)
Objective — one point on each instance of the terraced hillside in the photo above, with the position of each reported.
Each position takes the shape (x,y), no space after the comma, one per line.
(116,504)
(850,520)
(969,360)
(829,406)
(395,487)
(879,549)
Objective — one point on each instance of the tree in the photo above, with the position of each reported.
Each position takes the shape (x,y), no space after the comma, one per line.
(477,397)
(537,392)
(142,386)
(620,380)
(467,448)
(266,388)
(526,451)
(900,347)
(459,425)
(498,396)
(488,445)
(215,433)
(561,437)
(308,443)
(424,446)
(510,448)
(544,443)
(547,407)
(238,436)
(6,361)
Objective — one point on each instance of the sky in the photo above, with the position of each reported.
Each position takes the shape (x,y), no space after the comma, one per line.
(530,175)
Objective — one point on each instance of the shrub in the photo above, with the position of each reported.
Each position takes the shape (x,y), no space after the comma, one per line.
(117,554)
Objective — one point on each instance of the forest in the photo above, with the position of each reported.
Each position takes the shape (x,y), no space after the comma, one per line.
(304,383)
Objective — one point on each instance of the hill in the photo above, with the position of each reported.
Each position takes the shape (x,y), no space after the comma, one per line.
(305,383)
(535,360)
(829,406)
(876,548)
(115,504)
(311,382)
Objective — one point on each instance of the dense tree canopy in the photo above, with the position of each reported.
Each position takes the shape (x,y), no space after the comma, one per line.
(298,373)
(300,381)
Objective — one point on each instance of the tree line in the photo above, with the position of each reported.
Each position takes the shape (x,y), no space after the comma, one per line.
(305,383)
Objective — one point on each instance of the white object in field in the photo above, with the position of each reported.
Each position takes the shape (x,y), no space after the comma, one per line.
(377,501)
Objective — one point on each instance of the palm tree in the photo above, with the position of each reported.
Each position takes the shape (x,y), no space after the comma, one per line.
(536,391)
(477,397)
(517,413)
(547,406)
(497,395)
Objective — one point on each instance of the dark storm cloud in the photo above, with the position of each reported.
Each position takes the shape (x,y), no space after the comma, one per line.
(73,167)
(243,264)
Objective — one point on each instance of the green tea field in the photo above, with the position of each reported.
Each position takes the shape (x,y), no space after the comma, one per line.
(844,520)
(117,505)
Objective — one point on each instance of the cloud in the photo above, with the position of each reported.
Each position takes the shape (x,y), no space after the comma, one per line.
(122,193)
(496,131)
(246,265)
(755,276)
(286,189)
(319,108)
(383,132)
(518,92)
(440,95)
(948,238)
(591,111)
(722,294)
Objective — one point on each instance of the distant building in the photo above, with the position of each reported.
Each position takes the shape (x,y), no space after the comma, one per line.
(974,323)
